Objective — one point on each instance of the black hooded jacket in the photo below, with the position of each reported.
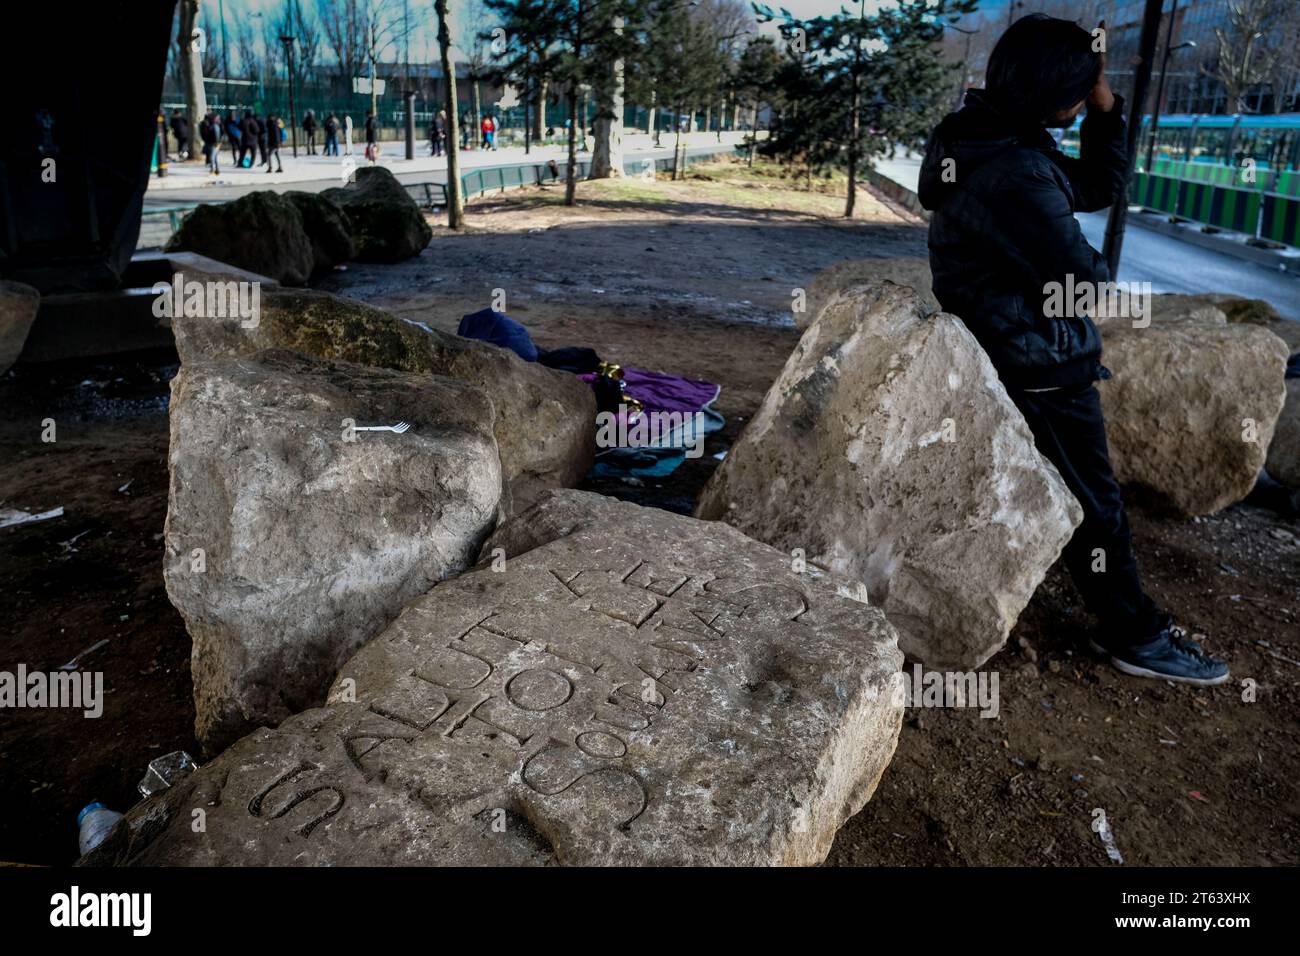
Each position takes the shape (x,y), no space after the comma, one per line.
(1003,228)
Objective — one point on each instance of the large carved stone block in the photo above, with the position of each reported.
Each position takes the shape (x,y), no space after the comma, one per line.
(612,685)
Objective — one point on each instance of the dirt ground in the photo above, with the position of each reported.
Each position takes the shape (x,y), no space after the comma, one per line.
(694,278)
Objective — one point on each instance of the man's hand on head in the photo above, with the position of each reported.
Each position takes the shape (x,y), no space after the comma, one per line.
(1101,98)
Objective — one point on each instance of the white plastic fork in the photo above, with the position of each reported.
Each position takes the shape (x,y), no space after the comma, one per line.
(395,429)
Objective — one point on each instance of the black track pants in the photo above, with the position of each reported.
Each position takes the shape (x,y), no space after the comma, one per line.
(1070,432)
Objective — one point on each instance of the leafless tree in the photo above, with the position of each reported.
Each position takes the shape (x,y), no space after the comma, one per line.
(191,41)
(1249,47)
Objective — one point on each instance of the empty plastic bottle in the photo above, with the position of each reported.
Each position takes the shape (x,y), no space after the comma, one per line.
(94,823)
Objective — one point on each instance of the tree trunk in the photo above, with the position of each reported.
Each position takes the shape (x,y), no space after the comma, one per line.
(477,133)
(677,145)
(854,123)
(191,62)
(753,135)
(539,111)
(571,174)
(607,155)
(455,202)
(650,114)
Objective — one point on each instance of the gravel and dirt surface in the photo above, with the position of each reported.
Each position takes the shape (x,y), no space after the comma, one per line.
(695,278)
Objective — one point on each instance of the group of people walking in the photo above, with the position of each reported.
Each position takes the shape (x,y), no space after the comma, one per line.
(438,132)
(256,139)
(250,138)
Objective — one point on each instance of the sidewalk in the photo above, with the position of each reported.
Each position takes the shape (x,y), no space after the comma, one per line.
(392,156)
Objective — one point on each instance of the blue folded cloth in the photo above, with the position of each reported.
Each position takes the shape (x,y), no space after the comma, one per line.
(498,328)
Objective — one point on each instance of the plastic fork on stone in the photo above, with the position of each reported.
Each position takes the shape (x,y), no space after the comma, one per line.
(395,429)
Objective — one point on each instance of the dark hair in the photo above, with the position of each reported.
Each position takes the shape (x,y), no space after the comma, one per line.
(1042,65)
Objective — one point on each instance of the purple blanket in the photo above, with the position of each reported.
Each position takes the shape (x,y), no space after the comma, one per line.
(666,393)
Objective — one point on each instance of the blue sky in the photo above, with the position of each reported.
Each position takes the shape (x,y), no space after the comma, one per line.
(422,11)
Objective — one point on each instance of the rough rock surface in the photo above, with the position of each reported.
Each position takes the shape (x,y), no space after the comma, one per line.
(387,225)
(889,452)
(18,306)
(545,419)
(912,271)
(1214,308)
(1284,450)
(633,687)
(327,227)
(1191,407)
(262,232)
(287,545)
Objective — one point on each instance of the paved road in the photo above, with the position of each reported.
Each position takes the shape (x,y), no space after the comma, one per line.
(1167,263)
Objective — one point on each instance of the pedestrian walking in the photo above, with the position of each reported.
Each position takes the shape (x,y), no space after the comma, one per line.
(180,127)
(489,130)
(372,132)
(347,135)
(250,130)
(331,135)
(263,134)
(210,136)
(309,127)
(233,136)
(438,133)
(274,137)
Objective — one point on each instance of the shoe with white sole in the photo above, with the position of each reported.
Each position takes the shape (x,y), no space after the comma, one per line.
(1171,656)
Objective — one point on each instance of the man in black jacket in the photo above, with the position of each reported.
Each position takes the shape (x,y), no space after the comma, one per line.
(250,131)
(181,130)
(1002,234)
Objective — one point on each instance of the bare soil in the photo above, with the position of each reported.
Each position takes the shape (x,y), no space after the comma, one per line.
(695,278)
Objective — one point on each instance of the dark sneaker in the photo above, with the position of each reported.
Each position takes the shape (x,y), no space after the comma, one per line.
(1171,656)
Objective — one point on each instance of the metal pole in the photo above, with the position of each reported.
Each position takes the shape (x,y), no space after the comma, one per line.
(293,113)
(1114,243)
(225,60)
(409,96)
(1160,87)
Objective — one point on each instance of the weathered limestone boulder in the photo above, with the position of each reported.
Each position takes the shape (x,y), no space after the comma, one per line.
(18,306)
(327,227)
(545,419)
(290,540)
(912,271)
(387,225)
(1283,461)
(1240,311)
(262,232)
(630,687)
(1192,404)
(1211,308)
(888,451)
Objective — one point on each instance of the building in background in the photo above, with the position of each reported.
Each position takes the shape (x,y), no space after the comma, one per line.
(1246,58)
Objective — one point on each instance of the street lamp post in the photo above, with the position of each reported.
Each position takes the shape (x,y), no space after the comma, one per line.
(1115,221)
(1160,86)
(287,40)
(408,98)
